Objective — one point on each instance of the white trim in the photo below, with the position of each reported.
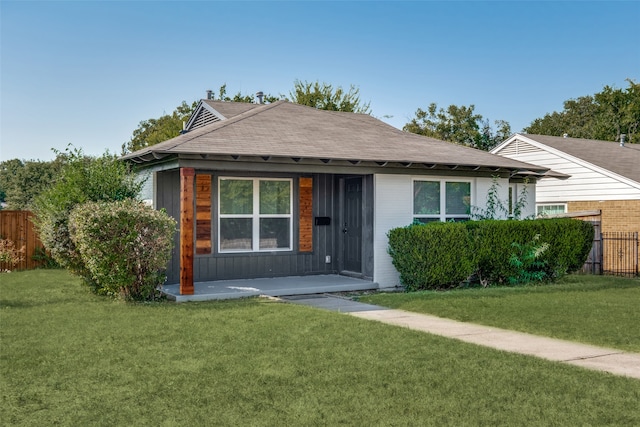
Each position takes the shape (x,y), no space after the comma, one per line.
(540,205)
(442,215)
(566,156)
(202,105)
(256,216)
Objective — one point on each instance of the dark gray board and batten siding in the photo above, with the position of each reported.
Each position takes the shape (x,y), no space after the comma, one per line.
(326,239)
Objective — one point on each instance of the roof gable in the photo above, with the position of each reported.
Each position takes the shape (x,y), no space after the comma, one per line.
(607,156)
(208,111)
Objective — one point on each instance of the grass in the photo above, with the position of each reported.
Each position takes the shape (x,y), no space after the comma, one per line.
(71,358)
(600,310)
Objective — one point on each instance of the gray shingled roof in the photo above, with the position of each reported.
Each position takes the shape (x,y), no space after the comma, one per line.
(284,129)
(609,155)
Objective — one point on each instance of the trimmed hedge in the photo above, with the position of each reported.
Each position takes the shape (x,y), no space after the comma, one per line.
(569,242)
(442,255)
(437,255)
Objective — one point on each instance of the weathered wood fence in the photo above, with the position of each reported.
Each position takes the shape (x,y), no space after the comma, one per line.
(17,226)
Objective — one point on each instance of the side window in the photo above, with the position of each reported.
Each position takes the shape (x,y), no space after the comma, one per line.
(546,210)
(441,200)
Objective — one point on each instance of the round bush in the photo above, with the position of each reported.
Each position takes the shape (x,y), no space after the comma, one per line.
(125,246)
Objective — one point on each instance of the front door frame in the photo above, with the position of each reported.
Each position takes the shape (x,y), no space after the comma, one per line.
(343,265)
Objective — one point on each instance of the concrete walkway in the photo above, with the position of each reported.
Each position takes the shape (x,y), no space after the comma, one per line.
(587,356)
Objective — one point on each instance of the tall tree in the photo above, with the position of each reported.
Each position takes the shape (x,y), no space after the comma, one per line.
(21,181)
(459,124)
(605,116)
(153,131)
(324,97)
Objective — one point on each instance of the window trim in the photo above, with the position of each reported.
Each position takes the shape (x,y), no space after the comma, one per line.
(443,216)
(255,216)
(541,205)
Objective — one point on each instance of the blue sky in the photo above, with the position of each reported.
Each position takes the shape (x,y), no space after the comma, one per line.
(86,73)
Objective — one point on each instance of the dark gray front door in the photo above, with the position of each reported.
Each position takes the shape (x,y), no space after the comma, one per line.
(352,225)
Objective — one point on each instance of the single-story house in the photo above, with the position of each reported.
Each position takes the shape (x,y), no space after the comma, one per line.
(281,189)
(602,176)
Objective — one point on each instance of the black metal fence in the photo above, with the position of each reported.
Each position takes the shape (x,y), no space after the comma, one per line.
(616,253)
(620,253)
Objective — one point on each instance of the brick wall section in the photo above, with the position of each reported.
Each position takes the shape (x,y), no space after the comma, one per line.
(617,215)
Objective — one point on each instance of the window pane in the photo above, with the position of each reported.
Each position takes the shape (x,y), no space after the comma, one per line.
(458,198)
(275,197)
(236,233)
(426,197)
(236,196)
(425,220)
(274,233)
(551,209)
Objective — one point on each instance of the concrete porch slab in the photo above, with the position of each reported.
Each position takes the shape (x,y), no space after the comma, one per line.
(275,287)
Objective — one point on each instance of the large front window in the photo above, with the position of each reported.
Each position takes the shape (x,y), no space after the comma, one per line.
(441,200)
(255,214)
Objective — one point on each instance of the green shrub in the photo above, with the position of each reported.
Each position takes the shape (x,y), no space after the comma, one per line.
(44,259)
(124,245)
(569,243)
(527,259)
(431,256)
(82,179)
(495,252)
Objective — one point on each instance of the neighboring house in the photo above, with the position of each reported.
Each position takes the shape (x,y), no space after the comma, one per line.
(602,175)
(281,189)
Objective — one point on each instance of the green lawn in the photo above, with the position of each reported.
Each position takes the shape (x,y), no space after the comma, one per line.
(600,310)
(71,358)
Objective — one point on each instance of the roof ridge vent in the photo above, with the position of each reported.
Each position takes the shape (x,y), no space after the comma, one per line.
(622,137)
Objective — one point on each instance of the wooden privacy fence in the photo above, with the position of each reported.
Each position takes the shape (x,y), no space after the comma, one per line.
(17,226)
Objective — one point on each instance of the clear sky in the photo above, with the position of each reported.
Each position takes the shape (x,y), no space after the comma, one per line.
(86,73)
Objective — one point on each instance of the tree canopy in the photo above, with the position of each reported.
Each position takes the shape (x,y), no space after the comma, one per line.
(605,116)
(459,124)
(239,97)
(323,96)
(153,131)
(21,181)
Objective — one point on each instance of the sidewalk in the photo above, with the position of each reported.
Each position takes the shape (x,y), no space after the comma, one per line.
(587,356)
